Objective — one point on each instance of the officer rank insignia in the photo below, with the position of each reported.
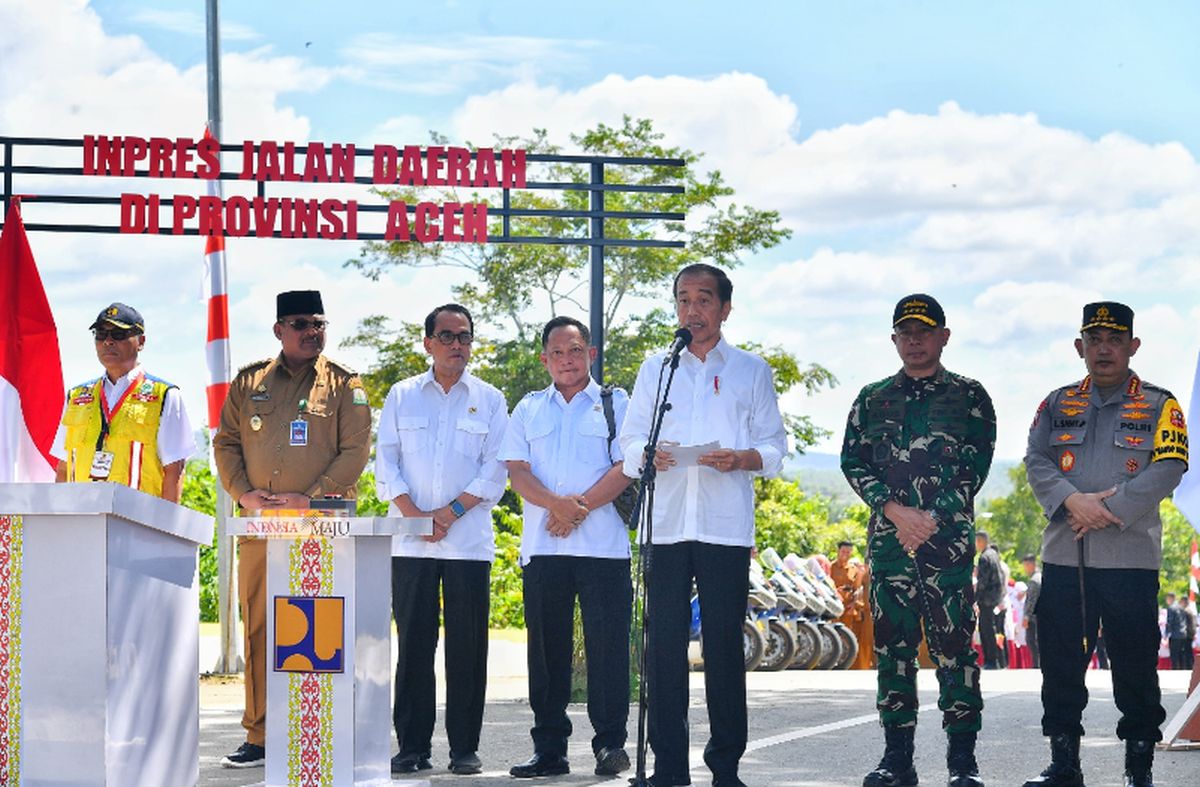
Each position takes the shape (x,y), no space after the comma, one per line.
(1066,462)
(1135,441)
(1070,410)
(1131,465)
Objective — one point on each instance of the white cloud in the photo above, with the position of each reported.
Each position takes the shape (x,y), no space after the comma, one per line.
(191,24)
(450,64)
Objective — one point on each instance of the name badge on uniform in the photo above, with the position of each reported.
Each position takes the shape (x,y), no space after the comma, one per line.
(299,432)
(101,465)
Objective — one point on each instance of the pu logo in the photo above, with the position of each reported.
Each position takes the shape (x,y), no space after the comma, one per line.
(309,634)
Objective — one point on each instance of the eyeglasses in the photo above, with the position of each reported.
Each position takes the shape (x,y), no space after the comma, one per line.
(449,337)
(302,324)
(918,334)
(116,334)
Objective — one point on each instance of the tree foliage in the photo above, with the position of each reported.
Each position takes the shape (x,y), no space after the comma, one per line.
(200,494)
(511,288)
(792,520)
(1014,522)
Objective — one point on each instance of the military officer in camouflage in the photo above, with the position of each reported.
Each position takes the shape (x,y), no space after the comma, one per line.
(918,447)
(1102,455)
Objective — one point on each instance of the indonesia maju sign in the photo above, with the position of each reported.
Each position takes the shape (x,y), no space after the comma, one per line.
(329,217)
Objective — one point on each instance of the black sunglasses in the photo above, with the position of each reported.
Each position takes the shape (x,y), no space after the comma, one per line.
(116,334)
(303,324)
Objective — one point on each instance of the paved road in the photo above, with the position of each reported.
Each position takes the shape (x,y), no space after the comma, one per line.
(806,730)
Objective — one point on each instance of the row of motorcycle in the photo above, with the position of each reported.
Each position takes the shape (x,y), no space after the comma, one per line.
(791,618)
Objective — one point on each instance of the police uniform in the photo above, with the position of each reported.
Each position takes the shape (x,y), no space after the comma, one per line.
(926,443)
(260,446)
(1133,439)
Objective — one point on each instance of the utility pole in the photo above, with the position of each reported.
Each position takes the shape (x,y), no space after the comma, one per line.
(231,656)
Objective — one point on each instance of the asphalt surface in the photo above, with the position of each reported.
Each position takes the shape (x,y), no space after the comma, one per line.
(807,729)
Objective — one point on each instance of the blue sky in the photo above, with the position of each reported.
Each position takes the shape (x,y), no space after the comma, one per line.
(1015,159)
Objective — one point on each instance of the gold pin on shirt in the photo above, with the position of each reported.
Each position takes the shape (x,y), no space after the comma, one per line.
(255,422)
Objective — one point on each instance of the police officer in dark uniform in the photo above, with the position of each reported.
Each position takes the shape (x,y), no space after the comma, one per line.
(1103,453)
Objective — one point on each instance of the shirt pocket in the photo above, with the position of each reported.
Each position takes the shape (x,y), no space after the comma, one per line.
(413,433)
(881,439)
(593,439)
(469,434)
(1065,443)
(1133,454)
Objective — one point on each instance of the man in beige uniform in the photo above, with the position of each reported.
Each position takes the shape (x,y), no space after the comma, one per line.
(293,428)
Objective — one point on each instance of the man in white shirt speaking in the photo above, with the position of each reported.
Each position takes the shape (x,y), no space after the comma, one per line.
(703,521)
(574,543)
(436,457)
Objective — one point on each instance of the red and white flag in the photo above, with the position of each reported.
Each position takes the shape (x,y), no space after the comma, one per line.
(217,349)
(31,380)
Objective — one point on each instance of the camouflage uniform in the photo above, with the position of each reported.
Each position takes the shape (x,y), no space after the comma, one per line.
(925,443)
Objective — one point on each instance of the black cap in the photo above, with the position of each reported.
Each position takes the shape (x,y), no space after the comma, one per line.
(120,315)
(1107,314)
(298,302)
(919,306)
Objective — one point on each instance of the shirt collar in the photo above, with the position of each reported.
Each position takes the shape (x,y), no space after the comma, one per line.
(591,391)
(124,380)
(317,363)
(720,350)
(466,381)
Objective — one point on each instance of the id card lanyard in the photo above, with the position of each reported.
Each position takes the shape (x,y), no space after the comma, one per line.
(104,458)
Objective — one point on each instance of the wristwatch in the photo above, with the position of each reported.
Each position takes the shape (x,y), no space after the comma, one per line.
(457,508)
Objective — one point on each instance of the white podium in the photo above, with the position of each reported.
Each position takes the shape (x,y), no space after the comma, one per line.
(329,667)
(99,635)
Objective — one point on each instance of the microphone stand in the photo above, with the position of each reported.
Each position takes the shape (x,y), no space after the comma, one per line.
(645,503)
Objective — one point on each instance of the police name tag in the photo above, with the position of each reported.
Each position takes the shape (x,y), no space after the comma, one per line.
(101,465)
(299,432)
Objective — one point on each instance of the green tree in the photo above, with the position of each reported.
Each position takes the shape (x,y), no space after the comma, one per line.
(792,520)
(200,494)
(1014,522)
(513,287)
(1177,537)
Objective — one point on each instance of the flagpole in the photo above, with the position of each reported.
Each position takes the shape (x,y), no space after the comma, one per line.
(231,656)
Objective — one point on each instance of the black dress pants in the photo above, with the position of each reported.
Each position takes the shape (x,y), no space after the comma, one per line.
(465,588)
(1126,599)
(722,575)
(992,655)
(551,583)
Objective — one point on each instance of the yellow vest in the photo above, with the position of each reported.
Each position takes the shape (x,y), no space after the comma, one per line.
(132,433)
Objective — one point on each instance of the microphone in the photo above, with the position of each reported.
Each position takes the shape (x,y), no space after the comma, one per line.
(683,337)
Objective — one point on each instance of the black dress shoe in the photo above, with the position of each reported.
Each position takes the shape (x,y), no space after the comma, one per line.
(667,781)
(611,760)
(410,763)
(465,764)
(541,765)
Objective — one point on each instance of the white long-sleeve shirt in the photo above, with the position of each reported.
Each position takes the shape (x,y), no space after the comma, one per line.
(730,398)
(435,445)
(566,446)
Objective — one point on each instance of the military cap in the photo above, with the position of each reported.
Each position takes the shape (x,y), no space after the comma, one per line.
(298,302)
(120,315)
(1107,314)
(921,307)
